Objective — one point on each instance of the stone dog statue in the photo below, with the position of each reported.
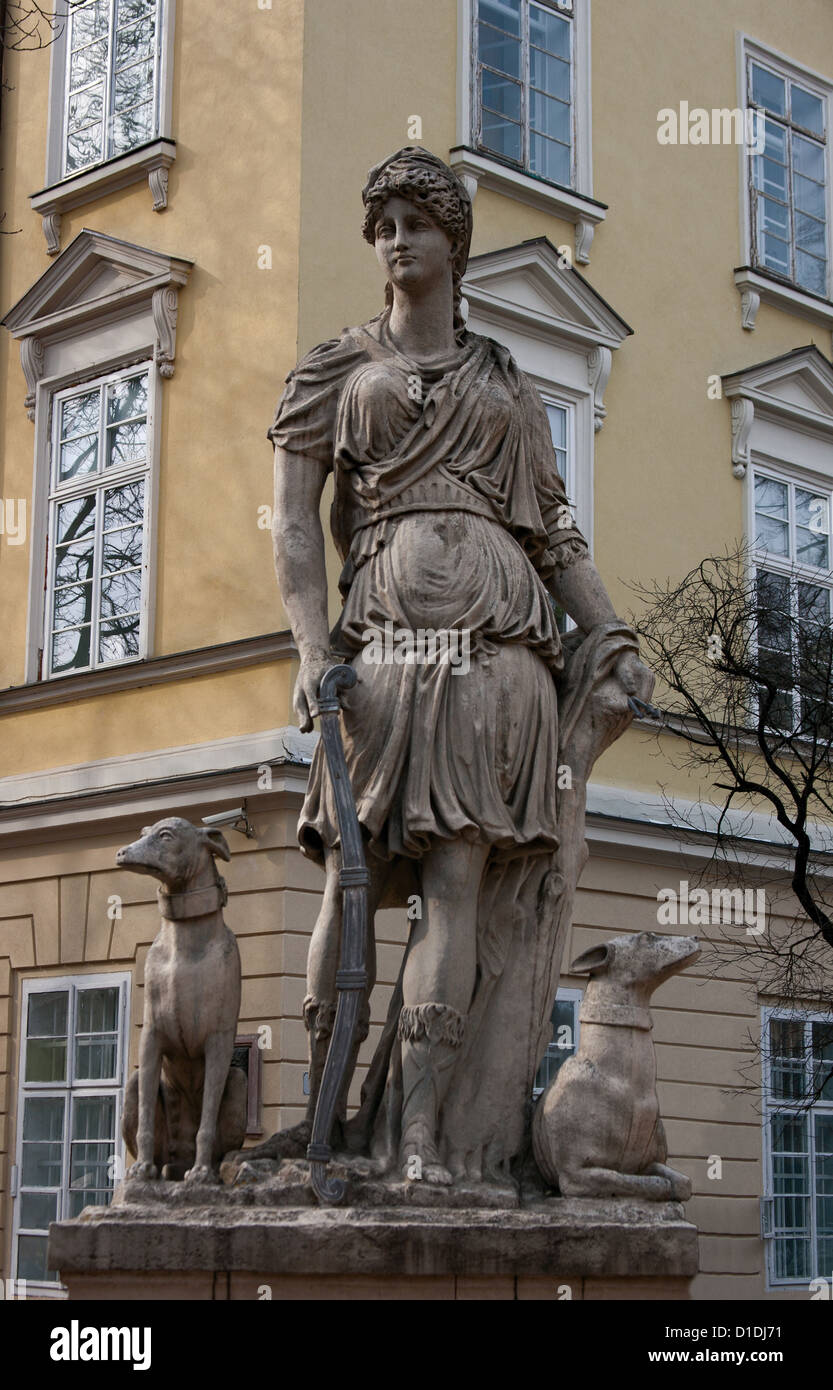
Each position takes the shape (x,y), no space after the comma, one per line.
(597,1130)
(186,1105)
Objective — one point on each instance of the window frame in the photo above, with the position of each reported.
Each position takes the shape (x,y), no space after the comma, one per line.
(792,476)
(768,283)
(107,115)
(566,12)
(114,1086)
(771,1106)
(82,487)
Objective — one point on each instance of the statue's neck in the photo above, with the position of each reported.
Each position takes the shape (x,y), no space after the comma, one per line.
(422,327)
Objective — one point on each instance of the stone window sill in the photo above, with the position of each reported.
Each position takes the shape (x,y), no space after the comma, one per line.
(480,170)
(151,161)
(754,286)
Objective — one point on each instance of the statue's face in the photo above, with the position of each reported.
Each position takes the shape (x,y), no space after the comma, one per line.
(413,250)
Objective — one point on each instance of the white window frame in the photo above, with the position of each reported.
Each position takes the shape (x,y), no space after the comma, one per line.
(772,1106)
(98,482)
(111,1086)
(564,995)
(788,566)
(477,166)
(757,284)
(152,160)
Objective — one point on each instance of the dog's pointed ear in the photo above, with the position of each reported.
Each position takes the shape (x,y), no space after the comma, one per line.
(592,962)
(216,842)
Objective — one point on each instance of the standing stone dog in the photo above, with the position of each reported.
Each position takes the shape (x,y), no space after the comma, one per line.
(186,1105)
(597,1130)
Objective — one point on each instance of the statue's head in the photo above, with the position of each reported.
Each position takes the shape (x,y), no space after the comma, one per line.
(420,177)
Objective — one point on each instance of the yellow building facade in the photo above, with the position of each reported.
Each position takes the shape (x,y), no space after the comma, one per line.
(168,262)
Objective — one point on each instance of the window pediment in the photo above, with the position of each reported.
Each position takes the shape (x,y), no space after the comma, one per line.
(789,394)
(97,280)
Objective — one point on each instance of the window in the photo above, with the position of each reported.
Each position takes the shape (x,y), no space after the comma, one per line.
(797,1217)
(97,541)
(792,544)
(524,85)
(565,1031)
(112,81)
(72,1069)
(110,106)
(786,197)
(523,107)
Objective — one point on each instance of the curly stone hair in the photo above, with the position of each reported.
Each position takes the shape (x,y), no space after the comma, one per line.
(416,174)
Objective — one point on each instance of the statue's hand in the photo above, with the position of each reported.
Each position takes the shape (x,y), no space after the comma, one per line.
(634,678)
(305,699)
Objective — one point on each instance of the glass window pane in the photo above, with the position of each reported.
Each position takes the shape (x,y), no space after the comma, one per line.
(122,550)
(31,1260)
(810,234)
(37,1209)
(119,640)
(76,518)
(549,159)
(563,1043)
(550,31)
(787,1059)
(126,444)
(775,144)
(93,1117)
(809,196)
(823,1060)
(73,606)
(134,43)
(71,650)
(123,506)
(774,218)
(87,65)
(132,86)
(813,605)
(501,95)
(499,50)
(132,128)
(768,90)
(771,496)
(810,273)
(807,109)
(74,564)
(500,136)
(86,109)
(774,616)
(90,22)
(83,148)
(79,414)
(503,14)
(772,535)
(97,1010)
(121,593)
(126,399)
(551,75)
(808,158)
(78,456)
(47,1014)
(771,177)
(549,117)
(775,253)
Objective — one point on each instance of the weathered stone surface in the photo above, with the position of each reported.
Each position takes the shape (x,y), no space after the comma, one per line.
(570,1237)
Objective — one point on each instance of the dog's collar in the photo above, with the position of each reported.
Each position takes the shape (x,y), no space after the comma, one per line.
(616,1015)
(194,902)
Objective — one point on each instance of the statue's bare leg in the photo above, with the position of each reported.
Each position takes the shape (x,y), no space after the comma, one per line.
(438,983)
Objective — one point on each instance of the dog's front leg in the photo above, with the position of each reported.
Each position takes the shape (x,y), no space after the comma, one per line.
(218,1051)
(150,1071)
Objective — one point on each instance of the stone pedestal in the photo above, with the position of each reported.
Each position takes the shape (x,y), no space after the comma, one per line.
(231,1246)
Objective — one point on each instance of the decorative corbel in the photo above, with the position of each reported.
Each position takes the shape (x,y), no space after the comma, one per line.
(158,184)
(599,363)
(743,418)
(51,222)
(164,308)
(585,231)
(469,182)
(31,360)
(750,303)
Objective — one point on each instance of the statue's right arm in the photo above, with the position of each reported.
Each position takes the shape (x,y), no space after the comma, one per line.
(298,540)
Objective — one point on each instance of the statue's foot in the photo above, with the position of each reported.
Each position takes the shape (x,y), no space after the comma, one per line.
(201,1174)
(287,1143)
(145,1172)
(419,1160)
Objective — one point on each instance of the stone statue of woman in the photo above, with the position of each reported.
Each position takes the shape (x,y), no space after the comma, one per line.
(449,517)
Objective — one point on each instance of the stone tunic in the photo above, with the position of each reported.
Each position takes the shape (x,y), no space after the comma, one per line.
(449,514)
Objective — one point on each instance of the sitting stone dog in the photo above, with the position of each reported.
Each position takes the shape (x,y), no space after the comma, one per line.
(186,1105)
(597,1130)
